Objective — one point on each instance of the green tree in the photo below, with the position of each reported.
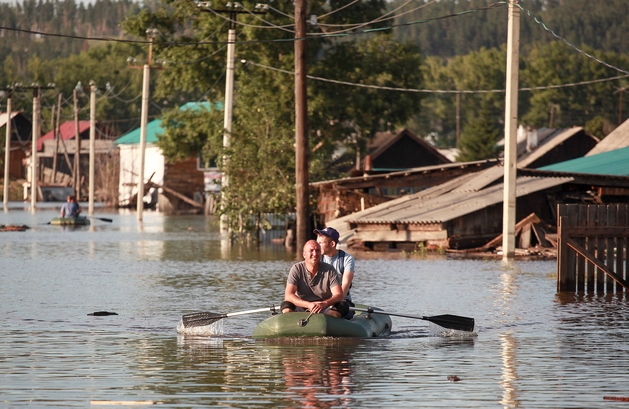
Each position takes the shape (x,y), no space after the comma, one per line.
(479,138)
(261,156)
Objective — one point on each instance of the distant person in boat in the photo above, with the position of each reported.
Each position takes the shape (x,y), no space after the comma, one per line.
(70,208)
(328,239)
(314,286)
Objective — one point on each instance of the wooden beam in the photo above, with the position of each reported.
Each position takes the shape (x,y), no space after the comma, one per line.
(176,194)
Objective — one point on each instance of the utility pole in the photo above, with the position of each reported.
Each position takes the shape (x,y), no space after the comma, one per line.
(511,123)
(232,9)
(7,153)
(301,126)
(34,158)
(90,208)
(36,131)
(77,153)
(151,33)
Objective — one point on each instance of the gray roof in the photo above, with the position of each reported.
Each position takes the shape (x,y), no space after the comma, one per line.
(462,196)
(548,140)
(618,138)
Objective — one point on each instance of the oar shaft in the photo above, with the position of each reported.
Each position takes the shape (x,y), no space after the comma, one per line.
(369,310)
(231,314)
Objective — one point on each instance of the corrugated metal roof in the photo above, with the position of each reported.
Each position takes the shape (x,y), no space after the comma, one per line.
(606,163)
(154,128)
(416,209)
(67,130)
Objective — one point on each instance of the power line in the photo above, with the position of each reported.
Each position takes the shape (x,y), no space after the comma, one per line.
(438,91)
(569,44)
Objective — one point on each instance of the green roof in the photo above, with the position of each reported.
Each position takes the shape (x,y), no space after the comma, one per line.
(612,163)
(154,128)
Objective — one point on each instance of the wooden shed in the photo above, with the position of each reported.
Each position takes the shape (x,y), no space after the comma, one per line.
(21,131)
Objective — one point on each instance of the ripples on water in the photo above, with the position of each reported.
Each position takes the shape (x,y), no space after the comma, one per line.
(532,348)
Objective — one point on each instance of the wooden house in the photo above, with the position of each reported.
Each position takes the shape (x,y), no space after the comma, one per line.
(391,152)
(21,131)
(57,155)
(170,187)
(544,146)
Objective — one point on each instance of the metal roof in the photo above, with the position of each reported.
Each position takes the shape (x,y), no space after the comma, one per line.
(154,128)
(606,163)
(423,208)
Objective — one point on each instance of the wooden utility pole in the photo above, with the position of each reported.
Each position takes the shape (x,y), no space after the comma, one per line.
(511,123)
(90,208)
(301,126)
(232,9)
(151,33)
(7,153)
(34,157)
(57,136)
(77,153)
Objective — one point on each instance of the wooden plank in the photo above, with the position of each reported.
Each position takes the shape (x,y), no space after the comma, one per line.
(601,215)
(564,281)
(610,247)
(176,194)
(590,219)
(581,266)
(621,244)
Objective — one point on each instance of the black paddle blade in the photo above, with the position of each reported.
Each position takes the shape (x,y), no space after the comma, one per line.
(453,322)
(201,319)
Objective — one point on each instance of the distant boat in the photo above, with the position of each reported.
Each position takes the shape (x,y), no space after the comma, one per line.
(70,221)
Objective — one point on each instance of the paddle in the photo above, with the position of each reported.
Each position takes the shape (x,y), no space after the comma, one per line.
(446,321)
(201,319)
(102,219)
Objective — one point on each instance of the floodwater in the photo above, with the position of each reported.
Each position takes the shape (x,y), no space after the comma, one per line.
(531,348)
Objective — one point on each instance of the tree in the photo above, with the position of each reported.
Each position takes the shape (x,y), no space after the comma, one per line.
(479,138)
(261,156)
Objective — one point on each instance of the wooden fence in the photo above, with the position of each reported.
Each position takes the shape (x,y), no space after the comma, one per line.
(592,248)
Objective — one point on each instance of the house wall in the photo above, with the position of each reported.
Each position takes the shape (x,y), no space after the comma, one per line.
(130,169)
(184,178)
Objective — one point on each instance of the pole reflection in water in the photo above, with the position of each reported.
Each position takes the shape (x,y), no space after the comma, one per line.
(509,372)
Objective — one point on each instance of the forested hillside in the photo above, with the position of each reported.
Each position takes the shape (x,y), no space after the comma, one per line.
(447,28)
(574,59)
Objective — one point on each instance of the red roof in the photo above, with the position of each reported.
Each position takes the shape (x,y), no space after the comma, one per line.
(66,131)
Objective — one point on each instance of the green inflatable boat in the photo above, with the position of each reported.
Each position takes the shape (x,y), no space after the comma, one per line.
(302,324)
(70,221)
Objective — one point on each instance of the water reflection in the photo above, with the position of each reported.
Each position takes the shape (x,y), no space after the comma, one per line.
(305,373)
(509,372)
(318,376)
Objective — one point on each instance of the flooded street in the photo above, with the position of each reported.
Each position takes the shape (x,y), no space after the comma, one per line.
(531,348)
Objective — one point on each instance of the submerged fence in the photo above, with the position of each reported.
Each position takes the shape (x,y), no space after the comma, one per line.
(592,248)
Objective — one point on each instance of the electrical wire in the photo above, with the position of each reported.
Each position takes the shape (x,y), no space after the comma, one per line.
(438,91)
(569,44)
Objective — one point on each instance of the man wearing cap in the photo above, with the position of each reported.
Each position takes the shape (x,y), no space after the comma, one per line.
(314,286)
(328,239)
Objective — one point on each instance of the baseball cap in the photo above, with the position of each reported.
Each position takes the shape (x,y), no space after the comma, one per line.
(329,232)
